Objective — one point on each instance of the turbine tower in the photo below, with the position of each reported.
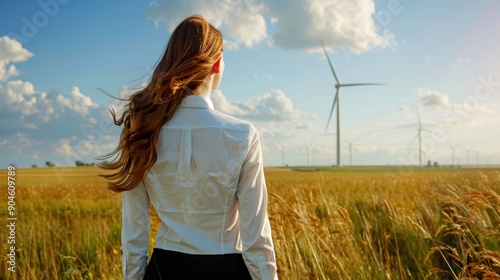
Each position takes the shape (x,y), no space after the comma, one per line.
(336,101)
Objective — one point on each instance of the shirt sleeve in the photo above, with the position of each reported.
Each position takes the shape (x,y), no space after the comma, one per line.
(135,232)
(258,248)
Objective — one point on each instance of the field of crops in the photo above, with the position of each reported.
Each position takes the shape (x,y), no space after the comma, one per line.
(327,224)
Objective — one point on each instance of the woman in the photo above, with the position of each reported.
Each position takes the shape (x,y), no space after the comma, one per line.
(202,171)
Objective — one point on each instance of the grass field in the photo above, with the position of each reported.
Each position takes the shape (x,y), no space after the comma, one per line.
(327,224)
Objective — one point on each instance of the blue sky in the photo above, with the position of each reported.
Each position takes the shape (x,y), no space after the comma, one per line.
(438,55)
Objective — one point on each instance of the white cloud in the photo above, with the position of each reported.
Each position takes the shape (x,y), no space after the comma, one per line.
(11,51)
(18,96)
(270,106)
(241,21)
(345,24)
(63,101)
(79,102)
(222,104)
(433,99)
(64,148)
(21,97)
(7,72)
(469,112)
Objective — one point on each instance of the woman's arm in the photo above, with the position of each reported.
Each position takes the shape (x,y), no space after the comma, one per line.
(258,248)
(135,232)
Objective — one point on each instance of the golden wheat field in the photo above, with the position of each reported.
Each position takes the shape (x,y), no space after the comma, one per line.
(327,224)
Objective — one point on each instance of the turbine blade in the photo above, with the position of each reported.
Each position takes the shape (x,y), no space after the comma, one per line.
(418,116)
(414,138)
(361,84)
(331,111)
(330,63)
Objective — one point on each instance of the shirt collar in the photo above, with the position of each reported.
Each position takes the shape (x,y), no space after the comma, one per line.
(197,101)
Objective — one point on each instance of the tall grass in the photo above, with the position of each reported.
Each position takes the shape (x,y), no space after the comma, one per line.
(326,225)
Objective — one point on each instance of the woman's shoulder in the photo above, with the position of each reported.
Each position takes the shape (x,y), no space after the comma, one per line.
(231,122)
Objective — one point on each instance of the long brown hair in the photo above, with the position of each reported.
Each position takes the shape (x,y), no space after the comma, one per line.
(193,49)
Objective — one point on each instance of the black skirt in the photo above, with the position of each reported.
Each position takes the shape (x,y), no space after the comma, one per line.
(166,264)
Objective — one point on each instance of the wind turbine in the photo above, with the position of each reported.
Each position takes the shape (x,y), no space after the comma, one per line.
(282,154)
(453,152)
(467,151)
(308,148)
(336,100)
(350,149)
(419,135)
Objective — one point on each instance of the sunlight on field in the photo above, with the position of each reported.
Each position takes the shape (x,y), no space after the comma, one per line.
(327,225)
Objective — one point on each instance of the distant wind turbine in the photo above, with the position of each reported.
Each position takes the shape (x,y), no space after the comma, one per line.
(308,148)
(419,135)
(336,100)
(467,151)
(453,152)
(350,149)
(282,154)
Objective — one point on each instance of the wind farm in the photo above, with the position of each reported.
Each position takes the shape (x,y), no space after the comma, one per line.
(424,155)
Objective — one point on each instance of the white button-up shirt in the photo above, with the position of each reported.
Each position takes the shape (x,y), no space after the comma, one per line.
(208,189)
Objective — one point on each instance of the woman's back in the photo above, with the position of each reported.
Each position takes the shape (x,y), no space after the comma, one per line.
(193,184)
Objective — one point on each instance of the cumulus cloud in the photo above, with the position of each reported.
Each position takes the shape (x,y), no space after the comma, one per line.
(22,100)
(242,21)
(345,24)
(31,121)
(433,99)
(18,96)
(271,106)
(222,104)
(11,51)
(7,72)
(440,101)
(78,101)
(302,25)
(64,148)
